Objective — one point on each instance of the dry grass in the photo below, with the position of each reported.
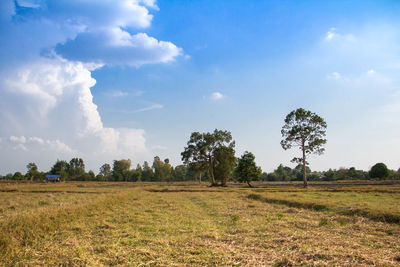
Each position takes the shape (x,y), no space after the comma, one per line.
(190,224)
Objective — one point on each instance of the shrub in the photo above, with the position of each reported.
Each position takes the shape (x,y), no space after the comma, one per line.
(379,170)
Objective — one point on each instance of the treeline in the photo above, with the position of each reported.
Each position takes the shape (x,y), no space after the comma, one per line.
(120,170)
(285,173)
(163,171)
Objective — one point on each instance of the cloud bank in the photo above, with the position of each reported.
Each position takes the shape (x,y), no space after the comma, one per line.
(48,50)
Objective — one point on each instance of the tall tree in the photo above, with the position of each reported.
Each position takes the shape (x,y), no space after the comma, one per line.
(33,172)
(120,171)
(139,173)
(247,170)
(60,167)
(224,164)
(306,130)
(202,147)
(105,171)
(76,168)
(147,172)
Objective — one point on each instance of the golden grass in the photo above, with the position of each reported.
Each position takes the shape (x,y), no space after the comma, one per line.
(191,224)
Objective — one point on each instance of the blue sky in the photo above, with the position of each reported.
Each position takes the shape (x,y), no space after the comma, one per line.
(106,80)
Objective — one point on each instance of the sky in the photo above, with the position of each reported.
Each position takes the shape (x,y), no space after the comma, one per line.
(117,79)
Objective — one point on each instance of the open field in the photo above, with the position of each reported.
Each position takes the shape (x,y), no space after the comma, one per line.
(281,224)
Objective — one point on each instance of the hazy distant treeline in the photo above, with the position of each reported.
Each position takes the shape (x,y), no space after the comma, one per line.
(163,171)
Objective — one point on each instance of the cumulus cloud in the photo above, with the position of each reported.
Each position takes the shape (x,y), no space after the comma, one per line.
(217,96)
(119,47)
(45,78)
(35,143)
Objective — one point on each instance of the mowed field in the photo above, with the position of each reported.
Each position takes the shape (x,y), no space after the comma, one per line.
(278,224)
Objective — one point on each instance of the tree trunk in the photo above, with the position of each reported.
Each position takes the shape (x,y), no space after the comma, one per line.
(248,182)
(211,170)
(304,165)
(200,178)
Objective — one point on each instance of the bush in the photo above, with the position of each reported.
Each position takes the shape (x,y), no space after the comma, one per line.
(379,170)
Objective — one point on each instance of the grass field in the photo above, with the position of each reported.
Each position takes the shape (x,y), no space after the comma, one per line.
(281,224)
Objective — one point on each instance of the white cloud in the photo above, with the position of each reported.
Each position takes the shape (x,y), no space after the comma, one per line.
(334,75)
(69,126)
(217,96)
(331,34)
(32,143)
(46,99)
(117,93)
(151,107)
(16,139)
(121,48)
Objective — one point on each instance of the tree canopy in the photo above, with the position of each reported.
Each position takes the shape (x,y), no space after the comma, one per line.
(202,148)
(379,170)
(247,170)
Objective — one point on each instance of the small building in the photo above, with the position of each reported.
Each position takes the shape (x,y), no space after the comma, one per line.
(53,178)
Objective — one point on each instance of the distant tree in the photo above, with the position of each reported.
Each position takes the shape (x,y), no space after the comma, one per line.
(134,175)
(60,167)
(18,176)
(76,169)
(147,173)
(162,170)
(139,173)
(246,169)
(167,170)
(91,175)
(120,171)
(33,173)
(264,176)
(304,129)
(99,177)
(202,148)
(179,173)
(379,170)
(105,171)
(198,168)
(224,164)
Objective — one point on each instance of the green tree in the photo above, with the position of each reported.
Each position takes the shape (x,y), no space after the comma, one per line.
(246,169)
(120,171)
(198,168)
(304,129)
(139,173)
(158,167)
(18,176)
(202,147)
(105,171)
(60,167)
(33,173)
(134,175)
(224,163)
(167,170)
(379,170)
(91,176)
(76,168)
(179,173)
(147,173)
